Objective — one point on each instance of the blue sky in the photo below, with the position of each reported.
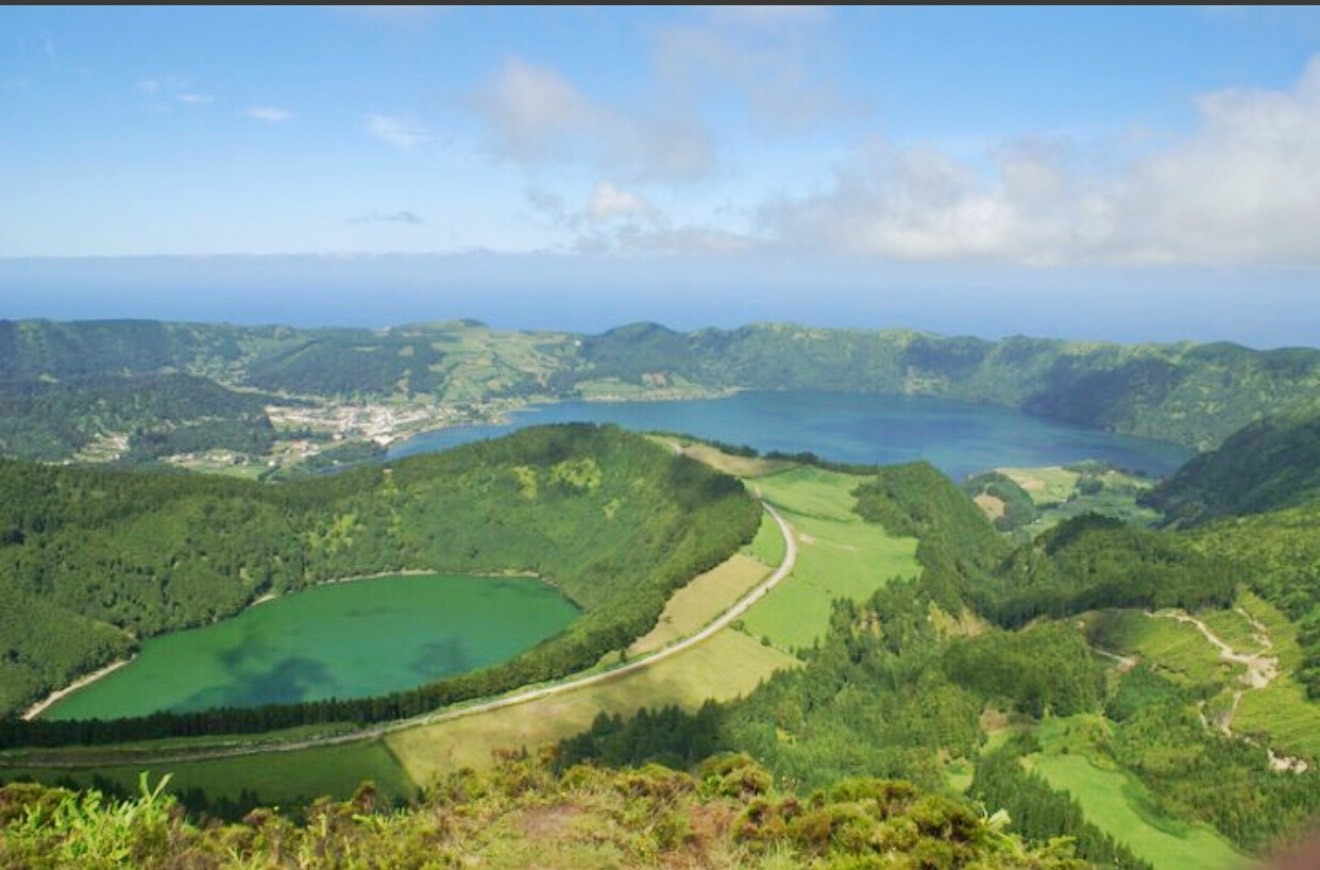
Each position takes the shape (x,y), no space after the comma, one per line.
(1121,173)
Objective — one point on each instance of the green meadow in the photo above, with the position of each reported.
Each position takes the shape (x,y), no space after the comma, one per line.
(839,556)
(1117,802)
(277,778)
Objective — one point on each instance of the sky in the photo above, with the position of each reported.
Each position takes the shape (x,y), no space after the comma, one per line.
(1129,173)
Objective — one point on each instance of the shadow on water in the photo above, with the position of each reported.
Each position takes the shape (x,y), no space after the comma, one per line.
(293,679)
(441,658)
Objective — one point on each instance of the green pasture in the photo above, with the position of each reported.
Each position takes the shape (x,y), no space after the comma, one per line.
(705,597)
(1118,803)
(1051,484)
(1281,630)
(839,556)
(1062,493)
(277,778)
(1235,629)
(1280,717)
(768,546)
(1178,650)
(726,666)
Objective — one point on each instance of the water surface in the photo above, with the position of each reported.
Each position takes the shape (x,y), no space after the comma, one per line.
(959,438)
(340,640)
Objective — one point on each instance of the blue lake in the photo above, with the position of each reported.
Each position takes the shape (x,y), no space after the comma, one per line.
(958,438)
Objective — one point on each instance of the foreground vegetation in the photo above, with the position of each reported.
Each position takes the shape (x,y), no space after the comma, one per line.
(520,814)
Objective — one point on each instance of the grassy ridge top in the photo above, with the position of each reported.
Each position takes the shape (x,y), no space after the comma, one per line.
(91,558)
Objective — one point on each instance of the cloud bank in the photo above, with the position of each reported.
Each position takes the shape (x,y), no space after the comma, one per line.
(1244,186)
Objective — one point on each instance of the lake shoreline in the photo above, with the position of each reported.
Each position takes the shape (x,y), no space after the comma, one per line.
(403,572)
(81,683)
(349,640)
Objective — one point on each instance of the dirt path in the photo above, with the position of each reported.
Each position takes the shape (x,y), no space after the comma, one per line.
(1125,663)
(1261,669)
(741,606)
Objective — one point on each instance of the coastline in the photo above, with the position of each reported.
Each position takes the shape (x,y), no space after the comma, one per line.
(59,694)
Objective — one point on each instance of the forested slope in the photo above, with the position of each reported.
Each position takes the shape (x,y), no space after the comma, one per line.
(991,633)
(613,520)
(1270,464)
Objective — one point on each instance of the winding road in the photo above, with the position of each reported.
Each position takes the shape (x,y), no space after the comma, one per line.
(522,696)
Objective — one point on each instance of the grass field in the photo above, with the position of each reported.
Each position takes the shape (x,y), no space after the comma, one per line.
(726,666)
(1044,485)
(1282,632)
(279,778)
(1119,805)
(739,466)
(1281,717)
(1175,649)
(1236,630)
(705,597)
(768,545)
(839,556)
(1062,493)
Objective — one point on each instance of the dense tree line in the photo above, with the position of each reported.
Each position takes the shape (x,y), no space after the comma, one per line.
(1092,562)
(1268,465)
(161,414)
(614,521)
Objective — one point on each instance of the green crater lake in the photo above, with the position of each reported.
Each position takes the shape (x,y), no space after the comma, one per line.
(339,640)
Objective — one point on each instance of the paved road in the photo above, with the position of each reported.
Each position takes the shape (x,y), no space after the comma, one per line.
(521,697)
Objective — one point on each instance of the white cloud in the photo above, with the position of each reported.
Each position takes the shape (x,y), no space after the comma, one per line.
(157,84)
(535,111)
(676,241)
(1246,186)
(166,90)
(745,54)
(269,114)
(401,132)
(1243,187)
(609,201)
(617,220)
(537,116)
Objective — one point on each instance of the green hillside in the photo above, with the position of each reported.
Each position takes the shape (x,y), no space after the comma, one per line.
(51,372)
(615,521)
(1270,464)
